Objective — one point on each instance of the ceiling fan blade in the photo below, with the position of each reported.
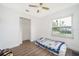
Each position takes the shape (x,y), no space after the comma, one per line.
(37,11)
(33,6)
(46,8)
(41,3)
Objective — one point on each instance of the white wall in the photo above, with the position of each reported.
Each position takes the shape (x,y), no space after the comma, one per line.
(35,23)
(42,26)
(10,32)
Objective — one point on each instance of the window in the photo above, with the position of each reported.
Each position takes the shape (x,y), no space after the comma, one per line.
(62,27)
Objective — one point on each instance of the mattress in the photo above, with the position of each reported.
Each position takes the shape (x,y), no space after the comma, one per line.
(56,47)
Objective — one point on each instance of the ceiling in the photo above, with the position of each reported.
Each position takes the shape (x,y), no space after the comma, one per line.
(53,7)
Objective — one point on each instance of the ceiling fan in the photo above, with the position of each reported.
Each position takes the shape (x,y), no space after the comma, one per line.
(38,6)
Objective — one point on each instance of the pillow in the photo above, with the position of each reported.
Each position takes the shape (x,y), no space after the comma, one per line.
(58,45)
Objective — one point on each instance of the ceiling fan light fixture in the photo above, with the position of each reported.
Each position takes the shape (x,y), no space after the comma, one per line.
(40,7)
(41,3)
(37,11)
(27,10)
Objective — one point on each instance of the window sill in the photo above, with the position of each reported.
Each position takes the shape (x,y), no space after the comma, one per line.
(57,35)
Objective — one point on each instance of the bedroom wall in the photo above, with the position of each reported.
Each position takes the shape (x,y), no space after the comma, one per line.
(43,26)
(35,27)
(10,32)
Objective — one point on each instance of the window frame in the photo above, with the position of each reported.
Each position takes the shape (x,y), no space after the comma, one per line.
(72,32)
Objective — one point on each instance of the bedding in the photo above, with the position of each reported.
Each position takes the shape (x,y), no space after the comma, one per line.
(56,47)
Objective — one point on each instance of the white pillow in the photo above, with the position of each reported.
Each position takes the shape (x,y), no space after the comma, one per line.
(57,45)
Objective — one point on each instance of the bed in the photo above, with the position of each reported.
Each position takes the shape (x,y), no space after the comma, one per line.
(53,46)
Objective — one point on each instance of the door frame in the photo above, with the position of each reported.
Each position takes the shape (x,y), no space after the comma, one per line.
(23,18)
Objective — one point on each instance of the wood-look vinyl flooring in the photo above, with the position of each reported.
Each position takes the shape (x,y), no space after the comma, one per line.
(28,48)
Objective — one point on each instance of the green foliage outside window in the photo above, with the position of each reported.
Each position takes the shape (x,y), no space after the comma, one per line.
(62,26)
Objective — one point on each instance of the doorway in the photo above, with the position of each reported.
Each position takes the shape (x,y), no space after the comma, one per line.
(25,28)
